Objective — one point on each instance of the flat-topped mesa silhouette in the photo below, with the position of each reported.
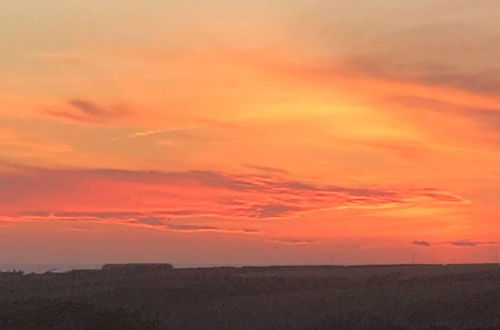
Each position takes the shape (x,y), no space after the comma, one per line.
(138,267)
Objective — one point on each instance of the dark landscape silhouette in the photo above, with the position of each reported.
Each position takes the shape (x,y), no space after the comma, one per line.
(158,296)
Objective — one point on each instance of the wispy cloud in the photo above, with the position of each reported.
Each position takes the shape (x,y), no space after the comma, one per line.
(293,241)
(144,195)
(432,72)
(489,118)
(267,169)
(469,243)
(145,133)
(202,228)
(89,111)
(460,243)
(78,228)
(134,219)
(421,243)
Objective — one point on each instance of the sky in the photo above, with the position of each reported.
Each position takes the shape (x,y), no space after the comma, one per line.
(249,132)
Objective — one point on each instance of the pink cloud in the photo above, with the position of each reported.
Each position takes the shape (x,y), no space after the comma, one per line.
(112,194)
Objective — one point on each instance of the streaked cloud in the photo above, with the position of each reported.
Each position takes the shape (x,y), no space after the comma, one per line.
(431,73)
(293,241)
(83,229)
(469,243)
(460,243)
(267,169)
(201,228)
(119,194)
(489,118)
(150,220)
(421,243)
(146,133)
(88,111)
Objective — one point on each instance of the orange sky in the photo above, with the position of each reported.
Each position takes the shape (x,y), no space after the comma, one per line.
(222,132)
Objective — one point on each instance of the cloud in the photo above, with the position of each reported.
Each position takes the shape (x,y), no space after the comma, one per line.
(461,243)
(271,210)
(146,133)
(421,243)
(163,223)
(267,169)
(151,221)
(6,221)
(92,109)
(487,117)
(404,149)
(81,214)
(293,241)
(450,48)
(431,72)
(80,229)
(129,219)
(150,196)
(89,111)
(468,243)
(202,228)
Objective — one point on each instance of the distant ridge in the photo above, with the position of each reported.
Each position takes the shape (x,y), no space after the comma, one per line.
(137,267)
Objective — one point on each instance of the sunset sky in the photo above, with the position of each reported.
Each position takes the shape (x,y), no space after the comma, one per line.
(249,132)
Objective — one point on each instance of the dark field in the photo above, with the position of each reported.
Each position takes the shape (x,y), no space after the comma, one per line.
(357,297)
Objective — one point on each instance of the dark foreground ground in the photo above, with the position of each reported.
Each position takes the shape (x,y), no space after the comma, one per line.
(361,297)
